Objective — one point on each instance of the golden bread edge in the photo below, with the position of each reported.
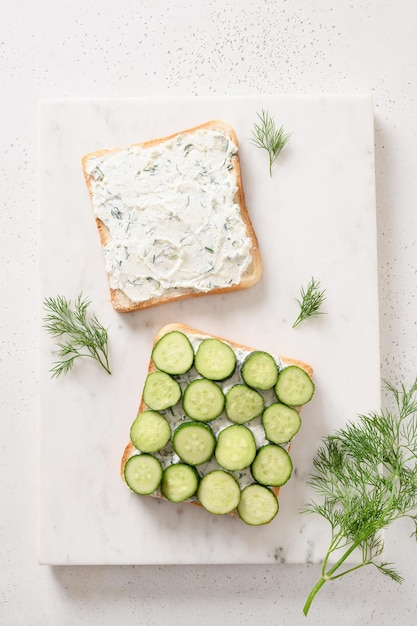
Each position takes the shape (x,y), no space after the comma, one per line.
(188,330)
(119,300)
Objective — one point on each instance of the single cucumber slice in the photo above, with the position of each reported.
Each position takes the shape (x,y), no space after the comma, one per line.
(294,386)
(215,359)
(203,400)
(219,492)
(161,391)
(280,422)
(194,442)
(173,353)
(258,505)
(272,466)
(150,431)
(259,370)
(179,482)
(143,473)
(236,447)
(243,404)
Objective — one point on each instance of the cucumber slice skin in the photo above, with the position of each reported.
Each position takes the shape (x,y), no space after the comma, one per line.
(215,359)
(179,482)
(258,505)
(173,353)
(143,474)
(194,442)
(150,431)
(294,386)
(203,400)
(235,448)
(272,466)
(161,391)
(219,492)
(280,422)
(243,404)
(259,370)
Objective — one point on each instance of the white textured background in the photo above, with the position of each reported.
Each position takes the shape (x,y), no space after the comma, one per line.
(157,47)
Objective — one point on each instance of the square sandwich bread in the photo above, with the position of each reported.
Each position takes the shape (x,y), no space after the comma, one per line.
(172,218)
(215,423)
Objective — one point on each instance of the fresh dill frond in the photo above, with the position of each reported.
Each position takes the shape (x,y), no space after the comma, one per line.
(83,335)
(267,136)
(310,301)
(366,477)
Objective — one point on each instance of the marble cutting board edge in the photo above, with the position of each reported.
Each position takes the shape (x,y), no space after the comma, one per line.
(314,216)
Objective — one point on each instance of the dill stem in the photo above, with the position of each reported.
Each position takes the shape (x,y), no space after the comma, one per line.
(100,356)
(326,577)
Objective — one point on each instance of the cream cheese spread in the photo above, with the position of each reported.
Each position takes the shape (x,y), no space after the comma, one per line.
(171,215)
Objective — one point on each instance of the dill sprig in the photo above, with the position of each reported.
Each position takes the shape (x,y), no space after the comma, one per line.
(366,475)
(84,336)
(310,301)
(265,135)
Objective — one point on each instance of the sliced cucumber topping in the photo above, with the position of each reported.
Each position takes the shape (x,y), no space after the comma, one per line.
(150,431)
(203,400)
(219,492)
(143,473)
(258,505)
(173,353)
(260,370)
(179,482)
(294,386)
(243,404)
(236,447)
(214,359)
(161,391)
(215,418)
(280,422)
(194,443)
(272,466)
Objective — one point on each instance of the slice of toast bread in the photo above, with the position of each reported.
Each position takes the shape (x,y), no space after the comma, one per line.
(172,217)
(177,415)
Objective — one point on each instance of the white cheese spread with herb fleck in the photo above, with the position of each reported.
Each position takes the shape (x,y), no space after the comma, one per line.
(171,214)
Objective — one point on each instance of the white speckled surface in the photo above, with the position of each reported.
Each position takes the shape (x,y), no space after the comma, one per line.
(75,49)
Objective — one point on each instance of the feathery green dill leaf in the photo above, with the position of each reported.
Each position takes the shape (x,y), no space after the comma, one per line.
(267,136)
(84,335)
(310,301)
(366,476)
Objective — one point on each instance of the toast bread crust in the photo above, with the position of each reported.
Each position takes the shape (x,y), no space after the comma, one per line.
(120,301)
(188,330)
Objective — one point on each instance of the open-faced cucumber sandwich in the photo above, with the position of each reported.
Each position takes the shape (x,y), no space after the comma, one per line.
(215,424)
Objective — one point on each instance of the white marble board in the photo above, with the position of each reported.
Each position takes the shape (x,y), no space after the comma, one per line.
(314,217)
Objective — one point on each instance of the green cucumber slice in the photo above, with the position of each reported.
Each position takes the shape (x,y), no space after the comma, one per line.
(179,482)
(215,359)
(143,473)
(161,391)
(243,404)
(203,400)
(173,353)
(194,443)
(272,466)
(219,492)
(280,422)
(258,505)
(294,386)
(150,431)
(260,370)
(235,448)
